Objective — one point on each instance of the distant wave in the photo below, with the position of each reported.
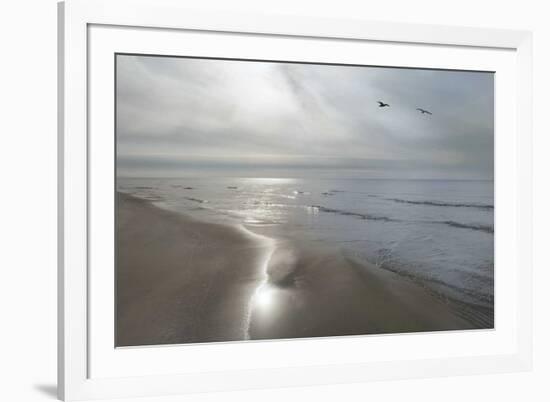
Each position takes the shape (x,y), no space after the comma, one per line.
(420,202)
(195,200)
(154,198)
(471,226)
(482,228)
(442,204)
(355,214)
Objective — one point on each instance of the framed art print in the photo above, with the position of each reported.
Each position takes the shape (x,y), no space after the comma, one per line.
(267,200)
(258,201)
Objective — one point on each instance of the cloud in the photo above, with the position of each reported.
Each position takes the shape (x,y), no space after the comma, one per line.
(181,116)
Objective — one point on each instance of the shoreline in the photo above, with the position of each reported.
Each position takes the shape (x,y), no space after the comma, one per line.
(181,280)
(263,272)
(313,292)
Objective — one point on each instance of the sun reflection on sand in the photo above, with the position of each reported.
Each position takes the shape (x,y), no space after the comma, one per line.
(263,295)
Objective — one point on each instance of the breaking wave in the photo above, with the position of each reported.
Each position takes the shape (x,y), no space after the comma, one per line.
(355,214)
(365,216)
(443,204)
(482,228)
(196,200)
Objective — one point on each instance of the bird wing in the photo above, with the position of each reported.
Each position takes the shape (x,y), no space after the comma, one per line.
(380,103)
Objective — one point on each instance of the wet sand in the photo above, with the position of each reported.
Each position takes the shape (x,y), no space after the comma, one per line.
(320,292)
(180,280)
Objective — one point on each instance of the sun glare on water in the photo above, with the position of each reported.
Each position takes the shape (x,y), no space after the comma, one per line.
(271,180)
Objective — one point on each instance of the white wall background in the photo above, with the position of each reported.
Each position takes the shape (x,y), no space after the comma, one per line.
(28,198)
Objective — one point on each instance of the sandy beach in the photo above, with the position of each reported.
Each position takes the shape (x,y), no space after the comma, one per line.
(180,280)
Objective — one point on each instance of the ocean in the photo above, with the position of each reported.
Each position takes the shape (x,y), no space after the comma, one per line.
(437,233)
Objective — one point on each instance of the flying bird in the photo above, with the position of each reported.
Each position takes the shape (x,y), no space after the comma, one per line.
(382,104)
(423,111)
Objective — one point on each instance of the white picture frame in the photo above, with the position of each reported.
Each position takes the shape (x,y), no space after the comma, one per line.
(77,345)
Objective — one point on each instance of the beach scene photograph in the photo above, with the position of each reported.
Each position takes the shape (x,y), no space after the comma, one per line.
(263,200)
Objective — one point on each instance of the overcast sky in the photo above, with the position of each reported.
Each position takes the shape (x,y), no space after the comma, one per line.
(190,117)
